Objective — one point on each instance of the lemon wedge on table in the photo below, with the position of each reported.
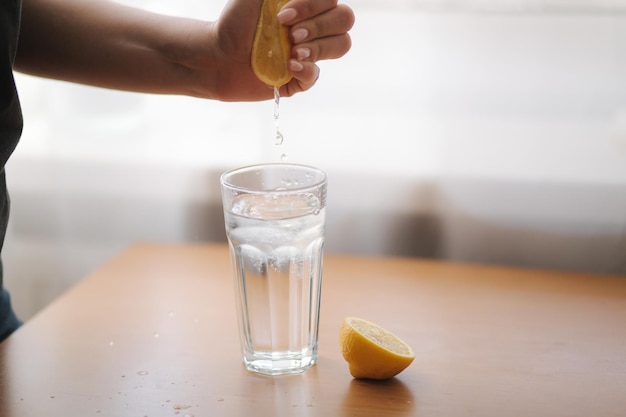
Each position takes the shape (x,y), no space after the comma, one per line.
(271,47)
(371,351)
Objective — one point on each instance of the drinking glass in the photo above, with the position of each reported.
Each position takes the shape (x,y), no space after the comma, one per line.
(275,216)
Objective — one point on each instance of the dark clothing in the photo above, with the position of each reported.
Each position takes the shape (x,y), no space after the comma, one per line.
(10,131)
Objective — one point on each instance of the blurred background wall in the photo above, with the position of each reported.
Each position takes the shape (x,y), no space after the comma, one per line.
(477,131)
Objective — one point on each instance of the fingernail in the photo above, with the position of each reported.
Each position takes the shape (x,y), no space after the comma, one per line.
(295,65)
(303,53)
(286,15)
(299,35)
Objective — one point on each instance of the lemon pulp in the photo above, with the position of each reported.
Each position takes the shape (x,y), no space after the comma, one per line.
(271,47)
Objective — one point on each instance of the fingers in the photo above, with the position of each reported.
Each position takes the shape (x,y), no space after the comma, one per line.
(296,11)
(302,65)
(330,23)
(323,37)
(318,30)
(326,18)
(305,74)
(324,48)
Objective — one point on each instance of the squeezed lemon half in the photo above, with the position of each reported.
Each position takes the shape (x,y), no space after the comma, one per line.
(271,47)
(371,351)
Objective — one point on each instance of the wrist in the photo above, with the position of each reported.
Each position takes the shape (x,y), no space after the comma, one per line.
(191,52)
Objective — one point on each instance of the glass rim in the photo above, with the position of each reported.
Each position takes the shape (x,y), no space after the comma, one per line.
(250,168)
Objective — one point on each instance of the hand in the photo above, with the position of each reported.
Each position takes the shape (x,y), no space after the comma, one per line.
(318,30)
(110,45)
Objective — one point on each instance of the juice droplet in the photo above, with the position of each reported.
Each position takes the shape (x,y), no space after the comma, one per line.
(279,136)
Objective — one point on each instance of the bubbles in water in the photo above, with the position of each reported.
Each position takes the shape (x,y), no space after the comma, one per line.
(276,206)
(283,157)
(289,183)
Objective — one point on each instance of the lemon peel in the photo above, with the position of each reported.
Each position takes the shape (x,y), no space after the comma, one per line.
(371,351)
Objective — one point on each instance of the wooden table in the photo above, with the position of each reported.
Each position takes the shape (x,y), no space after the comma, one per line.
(153,333)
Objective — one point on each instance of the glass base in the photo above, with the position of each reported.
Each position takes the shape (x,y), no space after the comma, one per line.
(278,365)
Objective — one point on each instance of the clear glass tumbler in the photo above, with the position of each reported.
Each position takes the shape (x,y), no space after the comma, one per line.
(275,216)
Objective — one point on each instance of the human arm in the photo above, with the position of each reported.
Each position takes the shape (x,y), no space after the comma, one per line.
(107,44)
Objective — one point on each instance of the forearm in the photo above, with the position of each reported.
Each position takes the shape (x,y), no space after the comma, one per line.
(107,44)
(110,45)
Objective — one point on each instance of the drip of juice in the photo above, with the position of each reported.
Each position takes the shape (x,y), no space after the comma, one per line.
(279,136)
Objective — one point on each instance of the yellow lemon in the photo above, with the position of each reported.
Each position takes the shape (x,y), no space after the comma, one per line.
(371,351)
(271,48)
